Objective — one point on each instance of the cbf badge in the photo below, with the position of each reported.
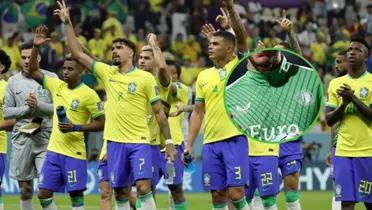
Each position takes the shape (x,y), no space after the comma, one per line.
(132,87)
(74,104)
(363,92)
(207,180)
(223,73)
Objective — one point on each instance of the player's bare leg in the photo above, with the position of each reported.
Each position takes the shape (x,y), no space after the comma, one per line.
(178,196)
(106,195)
(77,200)
(291,183)
(144,194)
(26,188)
(347,205)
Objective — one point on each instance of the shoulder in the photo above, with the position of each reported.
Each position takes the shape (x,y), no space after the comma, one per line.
(206,72)
(49,73)
(338,80)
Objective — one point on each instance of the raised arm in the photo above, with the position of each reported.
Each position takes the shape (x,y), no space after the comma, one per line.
(73,43)
(97,124)
(39,39)
(287,26)
(195,124)
(237,25)
(164,75)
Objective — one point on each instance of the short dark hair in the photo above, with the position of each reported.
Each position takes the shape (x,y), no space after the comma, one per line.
(226,35)
(5,60)
(175,64)
(362,41)
(127,43)
(26,46)
(342,53)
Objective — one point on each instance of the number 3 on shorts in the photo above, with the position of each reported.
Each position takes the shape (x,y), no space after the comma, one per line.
(71,176)
(238,173)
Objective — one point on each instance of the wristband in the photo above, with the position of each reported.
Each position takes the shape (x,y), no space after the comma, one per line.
(76,128)
(168,141)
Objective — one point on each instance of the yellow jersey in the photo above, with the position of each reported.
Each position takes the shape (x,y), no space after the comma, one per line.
(81,105)
(355,132)
(128,97)
(210,91)
(257,148)
(3,136)
(175,123)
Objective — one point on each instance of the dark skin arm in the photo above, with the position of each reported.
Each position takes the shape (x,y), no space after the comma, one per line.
(39,39)
(7,124)
(96,124)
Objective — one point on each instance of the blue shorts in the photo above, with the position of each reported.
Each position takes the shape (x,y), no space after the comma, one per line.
(62,172)
(225,163)
(290,157)
(128,163)
(353,179)
(2,166)
(102,171)
(333,150)
(156,164)
(263,176)
(178,165)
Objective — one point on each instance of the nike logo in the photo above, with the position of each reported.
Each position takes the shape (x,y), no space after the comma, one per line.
(59,95)
(204,84)
(17,93)
(111,80)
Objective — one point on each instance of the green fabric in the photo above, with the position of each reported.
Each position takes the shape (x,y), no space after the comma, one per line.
(291,196)
(180,206)
(77,201)
(219,205)
(275,105)
(240,203)
(145,197)
(269,201)
(46,202)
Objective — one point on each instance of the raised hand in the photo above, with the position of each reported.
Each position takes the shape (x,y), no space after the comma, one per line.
(224,19)
(63,12)
(285,23)
(152,39)
(41,33)
(207,31)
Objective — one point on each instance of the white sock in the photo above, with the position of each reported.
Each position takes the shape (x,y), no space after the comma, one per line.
(27,205)
(273,207)
(256,203)
(294,205)
(336,205)
(147,202)
(51,206)
(78,208)
(171,201)
(122,205)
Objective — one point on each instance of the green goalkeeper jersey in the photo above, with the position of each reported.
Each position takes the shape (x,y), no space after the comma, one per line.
(275,106)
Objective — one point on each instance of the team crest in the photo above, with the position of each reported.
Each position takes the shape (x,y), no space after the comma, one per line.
(74,104)
(112,178)
(305,98)
(363,92)
(338,191)
(132,87)
(100,106)
(223,73)
(207,180)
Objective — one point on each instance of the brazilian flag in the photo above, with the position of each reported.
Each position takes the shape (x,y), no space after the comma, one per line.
(35,12)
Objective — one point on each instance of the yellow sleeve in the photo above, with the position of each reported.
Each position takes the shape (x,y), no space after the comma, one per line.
(51,83)
(94,105)
(199,89)
(152,90)
(332,95)
(101,71)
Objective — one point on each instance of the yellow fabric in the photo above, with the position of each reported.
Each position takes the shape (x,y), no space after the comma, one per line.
(189,74)
(103,150)
(58,47)
(97,47)
(81,105)
(113,22)
(14,54)
(128,97)
(175,123)
(257,148)
(210,91)
(156,136)
(355,132)
(3,136)
(319,51)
